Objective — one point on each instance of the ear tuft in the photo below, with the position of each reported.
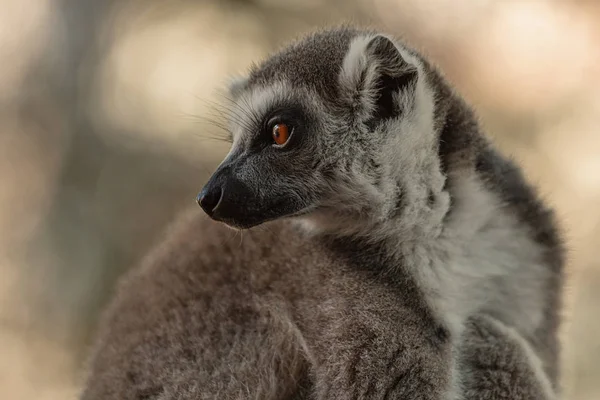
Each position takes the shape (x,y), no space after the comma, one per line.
(386,53)
(395,74)
(373,74)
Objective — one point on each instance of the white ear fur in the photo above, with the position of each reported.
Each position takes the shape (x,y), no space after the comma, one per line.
(357,76)
(362,67)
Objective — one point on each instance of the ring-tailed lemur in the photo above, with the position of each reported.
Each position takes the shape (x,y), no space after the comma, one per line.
(419,264)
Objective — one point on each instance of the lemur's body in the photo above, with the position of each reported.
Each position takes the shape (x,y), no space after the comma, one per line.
(421,246)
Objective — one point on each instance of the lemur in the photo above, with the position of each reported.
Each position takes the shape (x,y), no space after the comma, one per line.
(388,251)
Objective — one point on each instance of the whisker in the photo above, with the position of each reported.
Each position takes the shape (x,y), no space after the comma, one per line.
(232,110)
(235,117)
(244,108)
(241,238)
(235,232)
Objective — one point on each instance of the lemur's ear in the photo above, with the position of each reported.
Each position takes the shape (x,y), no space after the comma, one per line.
(374,76)
(236,85)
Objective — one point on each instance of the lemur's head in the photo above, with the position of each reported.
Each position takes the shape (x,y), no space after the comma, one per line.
(341,128)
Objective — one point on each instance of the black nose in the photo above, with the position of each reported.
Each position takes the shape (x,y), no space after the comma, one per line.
(209,198)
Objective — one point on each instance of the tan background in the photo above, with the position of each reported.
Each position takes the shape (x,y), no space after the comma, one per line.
(103,138)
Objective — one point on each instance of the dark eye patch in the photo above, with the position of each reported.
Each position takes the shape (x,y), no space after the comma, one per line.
(290,114)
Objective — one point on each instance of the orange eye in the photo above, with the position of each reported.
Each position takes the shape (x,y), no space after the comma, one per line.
(281,134)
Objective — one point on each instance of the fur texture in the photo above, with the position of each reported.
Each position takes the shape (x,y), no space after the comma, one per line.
(409,260)
(497,363)
(210,317)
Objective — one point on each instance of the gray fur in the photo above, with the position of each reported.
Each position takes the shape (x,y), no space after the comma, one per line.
(496,363)
(210,317)
(419,264)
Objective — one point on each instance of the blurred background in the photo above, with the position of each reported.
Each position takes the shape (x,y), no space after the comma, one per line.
(103,138)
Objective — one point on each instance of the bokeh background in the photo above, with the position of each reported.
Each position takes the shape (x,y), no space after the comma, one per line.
(103,138)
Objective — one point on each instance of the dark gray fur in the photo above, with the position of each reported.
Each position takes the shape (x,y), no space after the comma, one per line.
(424,267)
(325,52)
(209,317)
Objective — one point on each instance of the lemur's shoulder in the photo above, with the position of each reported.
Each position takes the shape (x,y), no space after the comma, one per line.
(502,175)
(464,145)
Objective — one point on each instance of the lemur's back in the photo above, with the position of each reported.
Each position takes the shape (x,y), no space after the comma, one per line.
(186,324)
(212,314)
(215,315)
